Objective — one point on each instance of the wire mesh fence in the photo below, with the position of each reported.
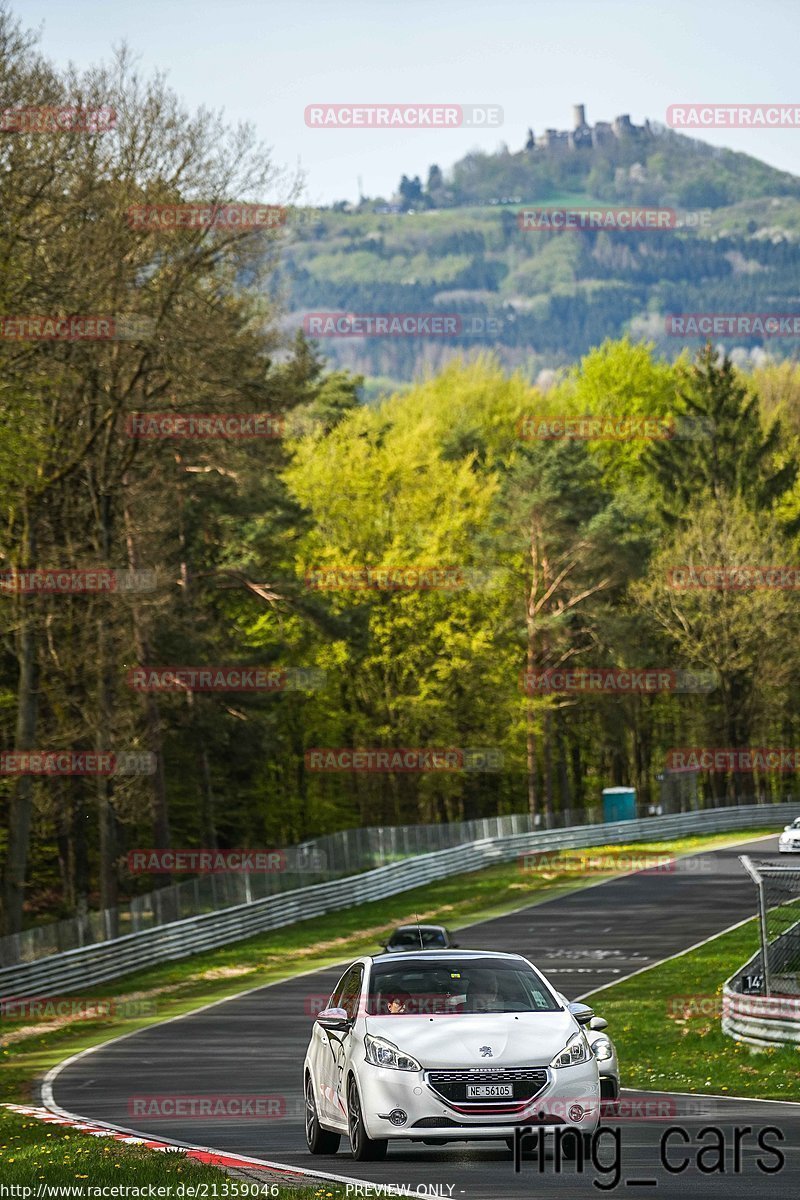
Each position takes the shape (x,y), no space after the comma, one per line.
(317,860)
(776,970)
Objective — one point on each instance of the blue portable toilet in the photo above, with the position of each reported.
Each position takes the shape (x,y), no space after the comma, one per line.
(619,804)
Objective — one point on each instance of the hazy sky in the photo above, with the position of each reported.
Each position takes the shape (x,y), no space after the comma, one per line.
(265,60)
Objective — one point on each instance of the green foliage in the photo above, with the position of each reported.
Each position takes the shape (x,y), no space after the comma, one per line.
(721,452)
(558,547)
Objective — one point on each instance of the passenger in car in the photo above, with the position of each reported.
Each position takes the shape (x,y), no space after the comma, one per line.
(484,993)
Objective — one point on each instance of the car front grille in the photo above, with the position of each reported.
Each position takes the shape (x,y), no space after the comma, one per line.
(526,1083)
(436,1123)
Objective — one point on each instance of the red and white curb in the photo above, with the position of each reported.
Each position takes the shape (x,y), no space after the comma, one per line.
(203,1154)
(206,1154)
(212,1158)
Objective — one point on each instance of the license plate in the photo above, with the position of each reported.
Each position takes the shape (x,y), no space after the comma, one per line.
(489,1091)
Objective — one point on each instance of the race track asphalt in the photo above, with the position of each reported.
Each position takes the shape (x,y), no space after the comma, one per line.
(255,1044)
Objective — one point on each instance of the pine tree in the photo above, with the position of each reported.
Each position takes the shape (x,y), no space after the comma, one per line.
(435,179)
(721,451)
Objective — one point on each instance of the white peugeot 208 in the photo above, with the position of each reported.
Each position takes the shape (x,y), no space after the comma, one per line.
(441,1045)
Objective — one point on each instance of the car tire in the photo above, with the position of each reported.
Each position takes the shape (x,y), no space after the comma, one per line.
(609,1097)
(364,1148)
(569,1145)
(530,1148)
(318,1140)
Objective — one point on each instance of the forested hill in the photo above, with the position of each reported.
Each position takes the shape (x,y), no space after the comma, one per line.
(453,243)
(651,165)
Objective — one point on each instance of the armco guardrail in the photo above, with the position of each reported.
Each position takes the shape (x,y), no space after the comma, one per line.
(760,1001)
(327,857)
(759,1020)
(94,964)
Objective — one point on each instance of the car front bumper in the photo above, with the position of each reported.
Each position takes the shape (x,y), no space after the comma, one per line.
(427,1115)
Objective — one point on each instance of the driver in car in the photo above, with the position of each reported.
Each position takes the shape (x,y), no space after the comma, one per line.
(484,993)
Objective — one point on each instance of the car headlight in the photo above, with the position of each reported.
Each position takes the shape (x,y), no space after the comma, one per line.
(381,1053)
(576,1051)
(602,1048)
(784,837)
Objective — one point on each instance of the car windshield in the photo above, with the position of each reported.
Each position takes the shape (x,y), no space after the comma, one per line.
(451,986)
(411,936)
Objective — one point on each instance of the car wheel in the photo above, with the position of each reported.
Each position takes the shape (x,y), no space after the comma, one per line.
(365,1149)
(609,1096)
(530,1144)
(569,1144)
(319,1140)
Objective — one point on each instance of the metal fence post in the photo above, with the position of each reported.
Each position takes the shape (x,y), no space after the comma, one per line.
(755,875)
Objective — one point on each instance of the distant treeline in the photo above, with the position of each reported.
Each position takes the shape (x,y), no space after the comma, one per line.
(552,296)
(469,555)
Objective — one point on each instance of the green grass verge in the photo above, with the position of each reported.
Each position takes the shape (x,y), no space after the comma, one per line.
(666,1026)
(31,1153)
(30,1048)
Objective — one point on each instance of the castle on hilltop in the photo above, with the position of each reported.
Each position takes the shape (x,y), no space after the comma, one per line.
(584,136)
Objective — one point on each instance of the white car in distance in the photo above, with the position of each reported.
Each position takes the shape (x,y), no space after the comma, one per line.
(789,841)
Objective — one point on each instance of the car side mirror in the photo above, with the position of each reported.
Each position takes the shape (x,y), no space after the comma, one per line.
(335,1019)
(598,1023)
(581,1012)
